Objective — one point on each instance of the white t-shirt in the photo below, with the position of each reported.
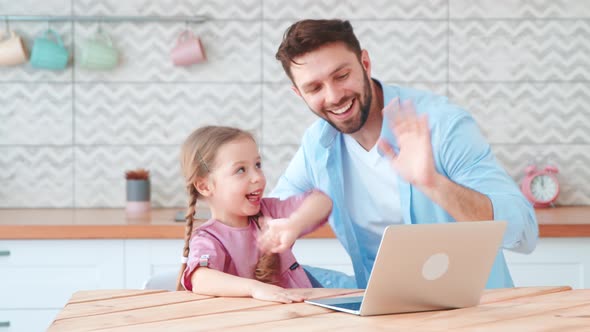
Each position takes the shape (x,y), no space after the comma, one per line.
(371,174)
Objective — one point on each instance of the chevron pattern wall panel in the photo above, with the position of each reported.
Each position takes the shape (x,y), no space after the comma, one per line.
(285,116)
(272,32)
(519,9)
(519,50)
(67,137)
(366,10)
(36,176)
(100,174)
(406,51)
(36,7)
(36,114)
(276,158)
(156,114)
(218,9)
(528,113)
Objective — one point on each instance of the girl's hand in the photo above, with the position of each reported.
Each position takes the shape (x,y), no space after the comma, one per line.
(268,292)
(278,235)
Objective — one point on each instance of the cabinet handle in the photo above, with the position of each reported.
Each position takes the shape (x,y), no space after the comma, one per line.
(4,253)
(5,324)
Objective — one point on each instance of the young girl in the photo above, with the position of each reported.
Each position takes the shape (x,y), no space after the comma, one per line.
(245,248)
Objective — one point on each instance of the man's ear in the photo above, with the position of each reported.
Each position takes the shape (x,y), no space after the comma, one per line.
(366,62)
(294,88)
(203,186)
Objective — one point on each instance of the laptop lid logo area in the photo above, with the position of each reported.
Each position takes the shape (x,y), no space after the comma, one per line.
(435,266)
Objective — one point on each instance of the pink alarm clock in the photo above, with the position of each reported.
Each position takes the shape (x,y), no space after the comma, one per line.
(540,187)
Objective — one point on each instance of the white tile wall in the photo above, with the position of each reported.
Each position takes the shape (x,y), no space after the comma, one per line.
(519,8)
(366,10)
(36,114)
(528,113)
(66,137)
(36,176)
(161,114)
(35,7)
(99,174)
(219,9)
(519,50)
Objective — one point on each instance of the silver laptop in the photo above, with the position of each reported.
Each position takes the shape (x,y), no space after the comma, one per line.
(426,267)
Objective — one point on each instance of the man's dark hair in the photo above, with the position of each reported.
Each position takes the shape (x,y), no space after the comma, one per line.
(309,35)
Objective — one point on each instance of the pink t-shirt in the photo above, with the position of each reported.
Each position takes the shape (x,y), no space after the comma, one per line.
(234,250)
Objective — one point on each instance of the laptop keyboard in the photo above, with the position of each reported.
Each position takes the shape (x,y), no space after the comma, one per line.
(350,306)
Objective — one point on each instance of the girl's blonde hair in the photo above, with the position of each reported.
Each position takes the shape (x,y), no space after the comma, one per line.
(197,157)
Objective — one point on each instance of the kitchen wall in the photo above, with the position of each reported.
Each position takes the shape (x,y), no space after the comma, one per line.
(521,67)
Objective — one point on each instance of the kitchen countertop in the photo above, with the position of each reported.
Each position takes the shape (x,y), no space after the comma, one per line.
(101,224)
(565,221)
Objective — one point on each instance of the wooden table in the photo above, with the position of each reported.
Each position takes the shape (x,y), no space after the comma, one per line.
(518,309)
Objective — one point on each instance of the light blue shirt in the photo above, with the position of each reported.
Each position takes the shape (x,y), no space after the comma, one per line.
(460,152)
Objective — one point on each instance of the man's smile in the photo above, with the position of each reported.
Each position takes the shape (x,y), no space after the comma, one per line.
(344,110)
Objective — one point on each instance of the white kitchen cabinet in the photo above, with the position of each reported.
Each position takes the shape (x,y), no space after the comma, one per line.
(37,277)
(555,262)
(146,258)
(26,320)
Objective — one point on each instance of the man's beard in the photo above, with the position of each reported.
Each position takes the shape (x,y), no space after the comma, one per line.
(365,107)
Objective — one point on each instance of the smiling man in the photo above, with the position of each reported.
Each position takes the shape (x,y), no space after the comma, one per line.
(390,155)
